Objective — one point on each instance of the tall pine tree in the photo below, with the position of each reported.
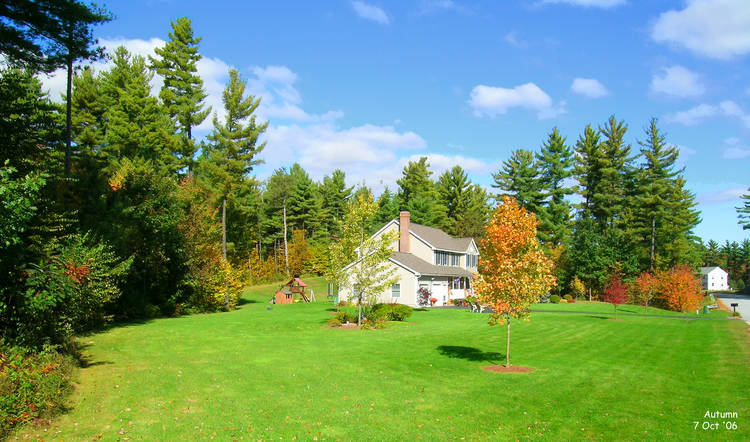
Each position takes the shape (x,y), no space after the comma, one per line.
(519,178)
(555,162)
(182,94)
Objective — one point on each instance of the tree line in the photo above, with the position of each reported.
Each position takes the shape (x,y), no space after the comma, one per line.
(113,208)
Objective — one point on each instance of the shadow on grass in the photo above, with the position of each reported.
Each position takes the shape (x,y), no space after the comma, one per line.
(469,353)
(83,360)
(421,309)
(243,301)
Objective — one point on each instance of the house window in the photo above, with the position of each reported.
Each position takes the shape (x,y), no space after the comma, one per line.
(447,259)
(471,260)
(396,290)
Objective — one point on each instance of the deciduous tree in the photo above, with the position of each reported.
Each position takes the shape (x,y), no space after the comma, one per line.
(616,293)
(514,272)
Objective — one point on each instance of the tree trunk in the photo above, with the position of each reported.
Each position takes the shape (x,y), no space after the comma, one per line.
(359,311)
(507,344)
(589,293)
(224,228)
(286,249)
(653,241)
(68,117)
(615,312)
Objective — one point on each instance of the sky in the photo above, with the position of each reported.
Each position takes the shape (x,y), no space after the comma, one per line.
(367,85)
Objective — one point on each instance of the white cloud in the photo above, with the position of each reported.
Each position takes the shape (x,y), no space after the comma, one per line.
(589,87)
(685,154)
(698,114)
(719,196)
(589,3)
(711,28)
(370,12)
(513,39)
(694,115)
(56,81)
(733,151)
(492,101)
(429,6)
(677,81)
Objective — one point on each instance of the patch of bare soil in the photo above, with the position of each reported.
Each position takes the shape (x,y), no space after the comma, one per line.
(722,306)
(343,326)
(504,369)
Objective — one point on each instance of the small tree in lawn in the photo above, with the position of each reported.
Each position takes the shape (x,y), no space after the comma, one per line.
(644,289)
(616,293)
(514,272)
(577,288)
(371,273)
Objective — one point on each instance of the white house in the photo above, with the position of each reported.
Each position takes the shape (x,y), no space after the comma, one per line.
(714,278)
(426,257)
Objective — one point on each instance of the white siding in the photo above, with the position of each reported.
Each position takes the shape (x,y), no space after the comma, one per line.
(420,249)
(408,289)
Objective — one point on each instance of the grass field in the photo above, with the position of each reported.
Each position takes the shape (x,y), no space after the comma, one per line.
(260,373)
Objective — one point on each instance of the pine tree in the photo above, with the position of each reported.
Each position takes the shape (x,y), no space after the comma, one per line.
(387,207)
(182,93)
(654,203)
(418,195)
(335,195)
(610,203)
(234,145)
(135,122)
(555,163)
(588,167)
(519,178)
(453,188)
(472,221)
(743,212)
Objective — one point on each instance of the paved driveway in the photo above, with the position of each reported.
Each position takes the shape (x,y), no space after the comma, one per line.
(742,300)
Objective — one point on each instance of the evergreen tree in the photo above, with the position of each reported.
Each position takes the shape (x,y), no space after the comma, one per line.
(182,93)
(27,121)
(418,195)
(232,154)
(472,221)
(610,203)
(519,178)
(453,188)
(88,112)
(335,195)
(555,163)
(387,207)
(588,168)
(743,212)
(711,254)
(135,122)
(655,186)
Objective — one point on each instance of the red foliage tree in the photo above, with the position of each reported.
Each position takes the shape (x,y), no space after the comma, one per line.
(616,293)
(680,289)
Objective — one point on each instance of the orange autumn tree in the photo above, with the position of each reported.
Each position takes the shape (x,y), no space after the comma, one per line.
(514,272)
(680,289)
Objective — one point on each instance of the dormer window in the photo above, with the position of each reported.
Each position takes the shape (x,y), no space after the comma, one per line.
(447,259)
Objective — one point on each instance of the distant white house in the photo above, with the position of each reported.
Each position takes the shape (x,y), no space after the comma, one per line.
(714,278)
(426,257)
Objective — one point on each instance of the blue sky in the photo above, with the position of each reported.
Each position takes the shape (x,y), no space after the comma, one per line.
(367,85)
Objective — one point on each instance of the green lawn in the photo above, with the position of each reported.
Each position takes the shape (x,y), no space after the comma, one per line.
(260,373)
(624,309)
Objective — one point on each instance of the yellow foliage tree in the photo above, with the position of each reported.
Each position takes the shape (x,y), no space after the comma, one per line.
(514,272)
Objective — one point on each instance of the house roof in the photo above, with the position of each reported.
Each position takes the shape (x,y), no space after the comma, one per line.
(707,270)
(439,239)
(418,265)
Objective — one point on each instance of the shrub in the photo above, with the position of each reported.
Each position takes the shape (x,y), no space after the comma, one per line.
(380,323)
(554,299)
(32,385)
(400,312)
(577,288)
(367,325)
(680,289)
(334,322)
(563,301)
(568,298)
(376,314)
(344,317)
(423,297)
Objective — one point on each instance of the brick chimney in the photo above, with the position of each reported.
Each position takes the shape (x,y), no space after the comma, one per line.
(403,242)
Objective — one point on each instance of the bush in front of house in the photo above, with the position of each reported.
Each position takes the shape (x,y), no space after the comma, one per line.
(344,317)
(554,299)
(392,312)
